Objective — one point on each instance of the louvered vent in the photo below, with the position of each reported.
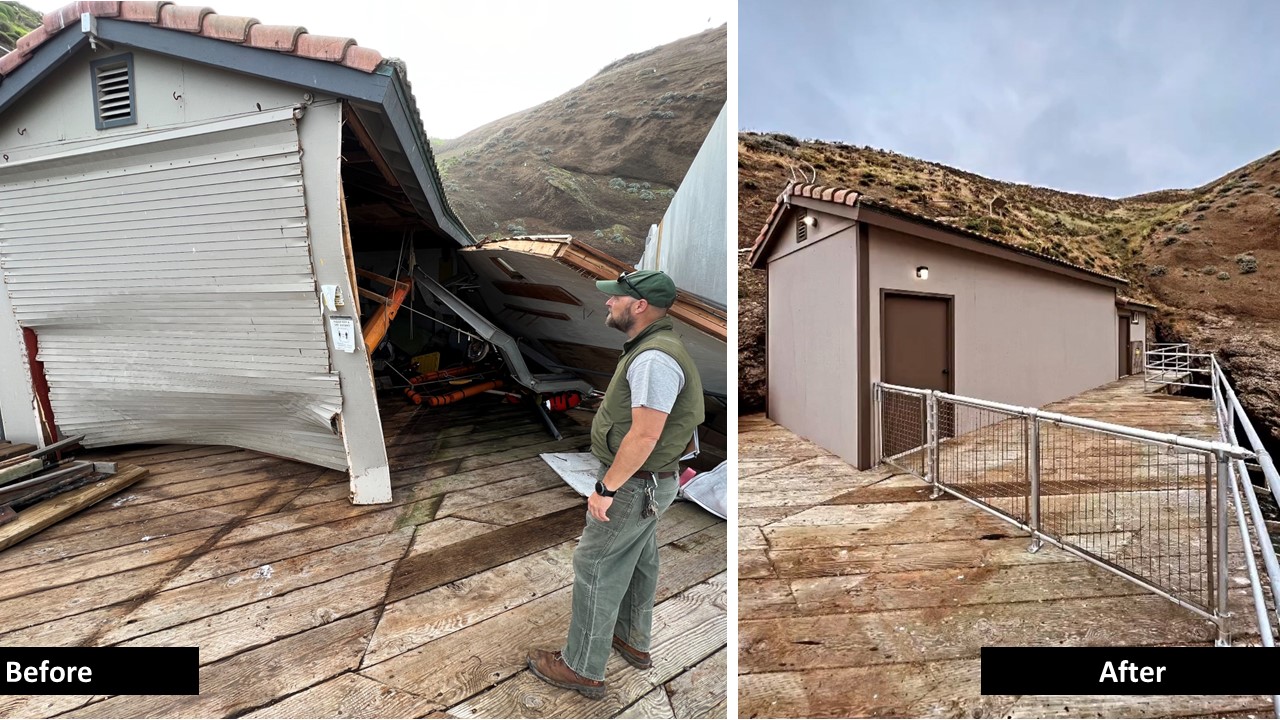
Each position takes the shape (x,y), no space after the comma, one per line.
(113,92)
(802,230)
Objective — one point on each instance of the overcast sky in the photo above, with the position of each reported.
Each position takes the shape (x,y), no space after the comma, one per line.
(1098,97)
(473,61)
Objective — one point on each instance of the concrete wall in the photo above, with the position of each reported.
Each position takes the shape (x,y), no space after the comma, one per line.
(1023,335)
(812,334)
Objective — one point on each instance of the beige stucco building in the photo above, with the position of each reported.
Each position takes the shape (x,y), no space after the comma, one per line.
(860,291)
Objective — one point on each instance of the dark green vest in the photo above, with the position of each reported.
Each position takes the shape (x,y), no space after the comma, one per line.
(613,419)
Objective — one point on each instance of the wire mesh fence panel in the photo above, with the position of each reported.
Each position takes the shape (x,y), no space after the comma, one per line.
(903,430)
(1143,508)
(982,454)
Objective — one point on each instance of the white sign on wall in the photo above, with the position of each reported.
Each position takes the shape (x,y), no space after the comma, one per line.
(343,331)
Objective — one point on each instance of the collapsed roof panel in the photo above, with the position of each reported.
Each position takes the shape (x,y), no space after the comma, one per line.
(543,290)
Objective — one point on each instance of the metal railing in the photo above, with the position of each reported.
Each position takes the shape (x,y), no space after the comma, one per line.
(1148,506)
(1173,364)
(1151,507)
(1257,544)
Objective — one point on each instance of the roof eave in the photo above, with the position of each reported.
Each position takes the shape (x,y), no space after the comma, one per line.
(1028,256)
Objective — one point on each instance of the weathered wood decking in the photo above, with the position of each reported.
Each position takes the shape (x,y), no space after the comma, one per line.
(304,605)
(860,597)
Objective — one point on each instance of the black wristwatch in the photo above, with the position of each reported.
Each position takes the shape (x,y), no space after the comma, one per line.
(603,491)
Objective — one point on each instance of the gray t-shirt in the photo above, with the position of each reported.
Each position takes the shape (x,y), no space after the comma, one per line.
(656,379)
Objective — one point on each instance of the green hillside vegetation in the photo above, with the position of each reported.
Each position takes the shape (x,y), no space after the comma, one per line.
(16,20)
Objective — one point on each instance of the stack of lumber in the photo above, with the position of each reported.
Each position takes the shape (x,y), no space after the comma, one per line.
(38,487)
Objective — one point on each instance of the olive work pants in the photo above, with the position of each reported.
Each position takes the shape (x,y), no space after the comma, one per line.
(615,577)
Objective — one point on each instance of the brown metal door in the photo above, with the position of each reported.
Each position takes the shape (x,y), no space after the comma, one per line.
(917,350)
(917,342)
(1123,323)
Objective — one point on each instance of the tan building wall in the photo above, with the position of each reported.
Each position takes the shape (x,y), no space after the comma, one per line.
(812,334)
(1023,336)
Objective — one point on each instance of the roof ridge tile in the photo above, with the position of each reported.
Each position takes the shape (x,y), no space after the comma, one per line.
(187,18)
(201,20)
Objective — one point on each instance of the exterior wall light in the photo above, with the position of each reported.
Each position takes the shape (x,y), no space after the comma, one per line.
(811,221)
(922,272)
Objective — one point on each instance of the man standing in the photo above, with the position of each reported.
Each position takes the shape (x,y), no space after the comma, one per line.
(650,412)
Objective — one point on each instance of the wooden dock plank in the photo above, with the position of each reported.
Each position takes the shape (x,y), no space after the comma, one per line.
(421,618)
(825,561)
(516,508)
(809,642)
(349,695)
(654,705)
(273,618)
(431,570)
(697,693)
(457,666)
(199,601)
(256,678)
(687,629)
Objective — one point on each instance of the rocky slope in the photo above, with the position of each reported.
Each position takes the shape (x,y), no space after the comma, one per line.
(600,162)
(1208,257)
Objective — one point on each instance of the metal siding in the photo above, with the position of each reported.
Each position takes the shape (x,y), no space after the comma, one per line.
(160,318)
(692,241)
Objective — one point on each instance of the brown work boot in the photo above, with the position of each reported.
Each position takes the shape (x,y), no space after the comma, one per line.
(635,658)
(550,667)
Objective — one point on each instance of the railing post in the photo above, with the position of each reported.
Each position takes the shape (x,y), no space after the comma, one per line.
(1033,472)
(931,442)
(1220,605)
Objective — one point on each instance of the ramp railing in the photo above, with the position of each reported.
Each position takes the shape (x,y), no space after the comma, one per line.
(1150,507)
(1174,365)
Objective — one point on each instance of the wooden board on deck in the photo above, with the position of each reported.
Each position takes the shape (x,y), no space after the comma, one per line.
(43,514)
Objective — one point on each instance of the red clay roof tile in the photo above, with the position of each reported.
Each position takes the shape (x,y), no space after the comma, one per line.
(227,27)
(29,41)
(147,11)
(187,18)
(275,37)
(323,47)
(202,20)
(10,62)
(98,8)
(362,58)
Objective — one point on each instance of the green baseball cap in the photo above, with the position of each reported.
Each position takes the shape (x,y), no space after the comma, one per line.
(652,285)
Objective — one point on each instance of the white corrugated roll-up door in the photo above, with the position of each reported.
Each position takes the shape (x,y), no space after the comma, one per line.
(168,277)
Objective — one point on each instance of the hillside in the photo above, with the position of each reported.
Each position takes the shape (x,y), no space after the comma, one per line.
(600,162)
(16,20)
(1209,257)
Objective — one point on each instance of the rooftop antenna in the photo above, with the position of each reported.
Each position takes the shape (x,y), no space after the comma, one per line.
(810,180)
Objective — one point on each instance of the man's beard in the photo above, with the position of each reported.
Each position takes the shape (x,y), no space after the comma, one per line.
(623,322)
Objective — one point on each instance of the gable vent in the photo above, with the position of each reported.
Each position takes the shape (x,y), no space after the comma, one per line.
(802,230)
(113,92)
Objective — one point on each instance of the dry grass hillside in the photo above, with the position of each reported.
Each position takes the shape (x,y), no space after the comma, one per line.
(600,162)
(1209,257)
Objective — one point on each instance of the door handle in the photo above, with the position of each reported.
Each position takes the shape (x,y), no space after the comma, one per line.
(946,371)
